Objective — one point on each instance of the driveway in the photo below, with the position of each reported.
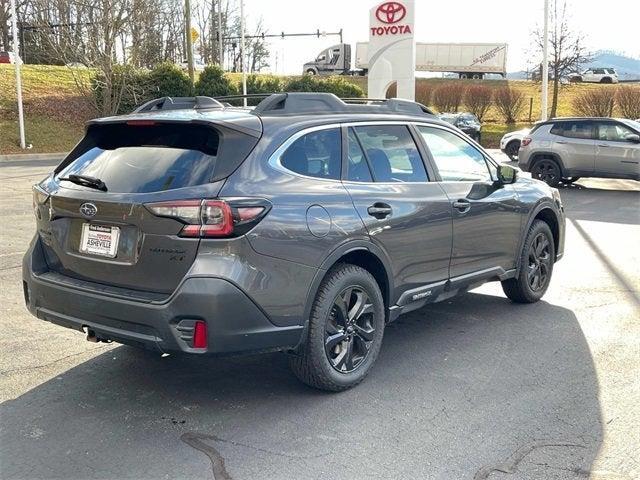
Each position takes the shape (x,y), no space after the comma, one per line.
(472,388)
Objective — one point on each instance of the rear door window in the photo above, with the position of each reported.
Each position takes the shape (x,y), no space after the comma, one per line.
(316,154)
(148,158)
(577,129)
(357,166)
(391,153)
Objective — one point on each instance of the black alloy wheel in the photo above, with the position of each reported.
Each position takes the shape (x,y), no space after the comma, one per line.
(548,171)
(539,264)
(350,330)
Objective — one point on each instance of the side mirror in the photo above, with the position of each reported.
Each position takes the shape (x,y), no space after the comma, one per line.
(633,137)
(507,174)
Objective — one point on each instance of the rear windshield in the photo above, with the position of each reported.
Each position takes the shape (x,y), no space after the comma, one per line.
(147,158)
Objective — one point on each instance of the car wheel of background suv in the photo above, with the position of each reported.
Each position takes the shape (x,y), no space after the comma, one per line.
(345,330)
(569,180)
(547,170)
(536,266)
(512,149)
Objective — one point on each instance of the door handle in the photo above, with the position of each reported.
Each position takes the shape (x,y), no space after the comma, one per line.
(561,142)
(379,210)
(603,145)
(462,205)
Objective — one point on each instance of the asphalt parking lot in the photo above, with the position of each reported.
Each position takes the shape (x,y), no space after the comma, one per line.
(474,388)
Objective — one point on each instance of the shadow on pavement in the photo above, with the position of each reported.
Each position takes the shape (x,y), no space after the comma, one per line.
(595,200)
(459,388)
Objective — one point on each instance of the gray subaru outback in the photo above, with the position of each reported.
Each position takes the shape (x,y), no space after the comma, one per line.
(304,225)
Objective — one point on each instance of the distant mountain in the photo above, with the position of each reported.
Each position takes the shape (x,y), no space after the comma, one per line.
(628,68)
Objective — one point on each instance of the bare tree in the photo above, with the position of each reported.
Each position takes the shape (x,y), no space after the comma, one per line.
(509,103)
(628,100)
(566,48)
(478,100)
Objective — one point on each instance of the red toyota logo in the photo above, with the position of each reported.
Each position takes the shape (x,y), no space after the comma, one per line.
(391,12)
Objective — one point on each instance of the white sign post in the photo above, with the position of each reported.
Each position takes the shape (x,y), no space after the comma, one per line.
(17,60)
(392,49)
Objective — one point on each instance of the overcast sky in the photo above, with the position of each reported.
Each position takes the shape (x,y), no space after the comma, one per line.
(606,24)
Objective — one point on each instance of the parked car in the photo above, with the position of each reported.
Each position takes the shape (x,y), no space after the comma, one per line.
(565,149)
(303,225)
(467,122)
(510,143)
(4,57)
(595,75)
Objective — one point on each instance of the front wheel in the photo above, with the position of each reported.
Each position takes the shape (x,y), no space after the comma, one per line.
(345,331)
(311,71)
(546,170)
(536,266)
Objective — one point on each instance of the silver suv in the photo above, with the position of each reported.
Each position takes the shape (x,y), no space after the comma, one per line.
(565,149)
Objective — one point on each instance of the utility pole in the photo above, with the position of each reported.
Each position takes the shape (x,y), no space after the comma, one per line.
(187,13)
(545,62)
(220,54)
(16,60)
(242,53)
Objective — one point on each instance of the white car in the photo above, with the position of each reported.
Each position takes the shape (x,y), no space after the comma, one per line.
(595,75)
(510,143)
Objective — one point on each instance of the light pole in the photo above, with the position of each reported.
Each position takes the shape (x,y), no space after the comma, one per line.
(242,52)
(189,41)
(545,62)
(220,58)
(16,60)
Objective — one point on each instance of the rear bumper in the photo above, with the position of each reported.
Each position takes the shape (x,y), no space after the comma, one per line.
(234,322)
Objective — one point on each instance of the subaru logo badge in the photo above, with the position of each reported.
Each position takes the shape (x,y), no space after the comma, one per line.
(88,209)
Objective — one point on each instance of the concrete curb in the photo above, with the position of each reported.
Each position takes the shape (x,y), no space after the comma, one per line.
(28,157)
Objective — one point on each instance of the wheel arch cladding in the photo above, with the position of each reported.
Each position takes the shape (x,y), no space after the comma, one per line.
(548,156)
(547,215)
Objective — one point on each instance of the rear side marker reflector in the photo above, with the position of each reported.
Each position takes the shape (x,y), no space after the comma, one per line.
(200,334)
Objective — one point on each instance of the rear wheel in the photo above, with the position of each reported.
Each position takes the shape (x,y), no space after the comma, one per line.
(512,149)
(536,266)
(311,71)
(345,330)
(546,170)
(606,80)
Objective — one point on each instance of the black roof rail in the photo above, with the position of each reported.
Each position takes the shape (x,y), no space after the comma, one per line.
(178,103)
(299,102)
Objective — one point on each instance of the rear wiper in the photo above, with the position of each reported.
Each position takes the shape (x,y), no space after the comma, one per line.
(86,181)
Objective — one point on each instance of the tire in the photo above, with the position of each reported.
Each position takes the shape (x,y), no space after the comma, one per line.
(537,258)
(569,180)
(512,149)
(547,170)
(606,80)
(575,79)
(311,71)
(321,363)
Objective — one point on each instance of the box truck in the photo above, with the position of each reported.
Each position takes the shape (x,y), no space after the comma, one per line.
(467,60)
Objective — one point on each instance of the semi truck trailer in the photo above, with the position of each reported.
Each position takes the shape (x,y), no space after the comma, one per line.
(467,60)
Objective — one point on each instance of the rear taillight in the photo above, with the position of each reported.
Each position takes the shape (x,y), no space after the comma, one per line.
(211,218)
(525,141)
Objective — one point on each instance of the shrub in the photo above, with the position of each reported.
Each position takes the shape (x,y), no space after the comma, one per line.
(125,89)
(169,80)
(628,100)
(423,92)
(478,99)
(213,83)
(448,96)
(597,102)
(336,85)
(261,84)
(509,103)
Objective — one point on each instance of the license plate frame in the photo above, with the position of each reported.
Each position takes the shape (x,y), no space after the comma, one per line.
(99,240)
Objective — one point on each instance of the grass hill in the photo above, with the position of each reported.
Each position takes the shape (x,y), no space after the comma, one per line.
(55,112)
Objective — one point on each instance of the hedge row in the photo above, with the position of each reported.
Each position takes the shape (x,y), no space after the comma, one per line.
(132,87)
